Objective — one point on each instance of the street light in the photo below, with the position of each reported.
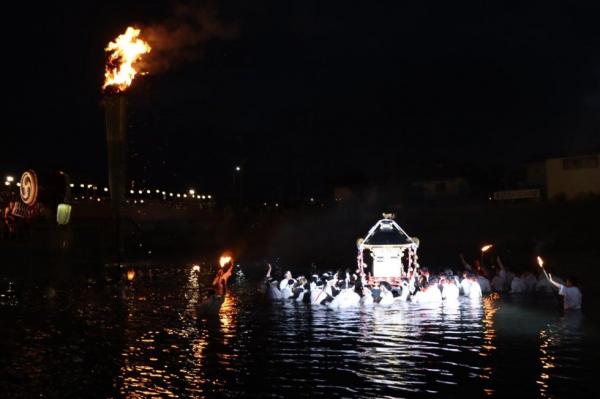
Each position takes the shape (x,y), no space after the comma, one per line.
(192,191)
(10,179)
(237,181)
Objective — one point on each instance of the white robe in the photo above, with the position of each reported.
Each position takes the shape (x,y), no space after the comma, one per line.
(484,283)
(450,292)
(274,294)
(387,299)
(475,291)
(498,283)
(345,299)
(571,297)
(367,300)
(284,283)
(430,295)
(286,292)
(518,286)
(465,285)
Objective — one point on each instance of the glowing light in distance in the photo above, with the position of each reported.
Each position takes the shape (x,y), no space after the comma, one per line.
(486,247)
(196,268)
(540,261)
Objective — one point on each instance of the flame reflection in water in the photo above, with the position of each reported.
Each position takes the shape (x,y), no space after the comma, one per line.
(151,341)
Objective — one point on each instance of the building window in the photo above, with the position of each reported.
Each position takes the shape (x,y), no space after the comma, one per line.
(580,163)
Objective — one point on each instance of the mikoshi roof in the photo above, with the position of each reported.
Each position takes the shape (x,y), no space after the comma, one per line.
(387,232)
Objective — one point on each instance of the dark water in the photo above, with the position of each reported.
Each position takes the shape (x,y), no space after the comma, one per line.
(147,339)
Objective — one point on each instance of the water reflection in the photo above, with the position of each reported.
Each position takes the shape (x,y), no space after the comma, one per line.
(150,340)
(560,347)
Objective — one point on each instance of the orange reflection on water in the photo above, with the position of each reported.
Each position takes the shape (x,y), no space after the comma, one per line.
(228,315)
(547,361)
(490,307)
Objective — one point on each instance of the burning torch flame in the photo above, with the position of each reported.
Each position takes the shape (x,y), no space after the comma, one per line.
(486,247)
(130,274)
(225,259)
(125,51)
(540,261)
(196,268)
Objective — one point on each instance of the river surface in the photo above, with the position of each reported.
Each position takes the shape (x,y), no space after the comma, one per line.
(146,338)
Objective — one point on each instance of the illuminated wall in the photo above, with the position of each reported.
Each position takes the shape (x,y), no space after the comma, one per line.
(569,176)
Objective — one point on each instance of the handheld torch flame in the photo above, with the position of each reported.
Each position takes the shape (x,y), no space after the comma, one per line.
(125,51)
(130,274)
(486,247)
(540,261)
(225,259)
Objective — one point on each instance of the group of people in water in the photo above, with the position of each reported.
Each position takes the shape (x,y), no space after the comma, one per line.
(345,289)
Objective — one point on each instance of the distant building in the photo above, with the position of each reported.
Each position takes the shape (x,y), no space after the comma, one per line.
(443,187)
(570,177)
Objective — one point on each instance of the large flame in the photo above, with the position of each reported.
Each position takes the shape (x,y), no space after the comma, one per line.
(225,259)
(125,51)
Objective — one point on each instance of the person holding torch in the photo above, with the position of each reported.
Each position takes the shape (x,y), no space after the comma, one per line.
(570,292)
(225,271)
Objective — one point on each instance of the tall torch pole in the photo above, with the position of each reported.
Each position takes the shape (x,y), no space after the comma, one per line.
(116,141)
(123,52)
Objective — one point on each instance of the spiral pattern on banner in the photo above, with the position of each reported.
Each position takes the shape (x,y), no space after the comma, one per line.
(29,188)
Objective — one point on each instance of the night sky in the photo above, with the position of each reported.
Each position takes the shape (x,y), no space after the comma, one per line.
(304,94)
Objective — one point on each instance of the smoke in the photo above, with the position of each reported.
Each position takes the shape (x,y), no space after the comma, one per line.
(183,36)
